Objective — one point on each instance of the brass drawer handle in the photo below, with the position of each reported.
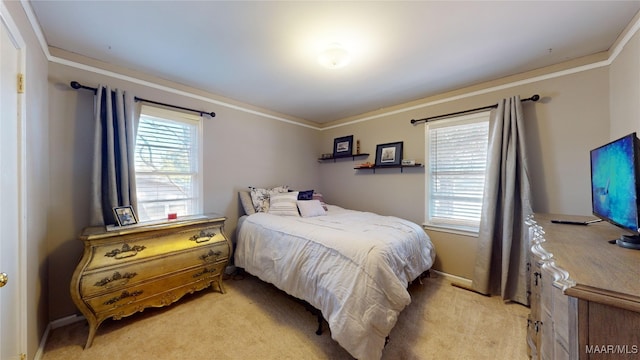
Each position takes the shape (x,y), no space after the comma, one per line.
(204,271)
(202,236)
(125,294)
(125,252)
(211,253)
(116,277)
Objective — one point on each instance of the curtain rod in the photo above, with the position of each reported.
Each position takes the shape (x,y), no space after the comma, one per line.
(535,97)
(76,85)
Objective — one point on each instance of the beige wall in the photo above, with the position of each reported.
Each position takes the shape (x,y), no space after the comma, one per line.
(240,149)
(625,90)
(36,185)
(571,118)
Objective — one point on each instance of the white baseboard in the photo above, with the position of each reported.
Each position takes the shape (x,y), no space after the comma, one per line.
(54,325)
(66,321)
(464,282)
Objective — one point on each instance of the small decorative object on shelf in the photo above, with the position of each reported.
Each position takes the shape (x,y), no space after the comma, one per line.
(366,165)
(358,146)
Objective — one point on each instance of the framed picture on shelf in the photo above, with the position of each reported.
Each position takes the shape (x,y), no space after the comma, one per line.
(343,146)
(125,215)
(389,154)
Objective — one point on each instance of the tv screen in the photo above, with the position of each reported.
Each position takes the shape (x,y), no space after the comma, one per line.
(614,182)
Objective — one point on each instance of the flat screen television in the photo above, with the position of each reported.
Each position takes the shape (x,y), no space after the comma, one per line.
(615,186)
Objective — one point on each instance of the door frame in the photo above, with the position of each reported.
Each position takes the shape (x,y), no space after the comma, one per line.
(22,277)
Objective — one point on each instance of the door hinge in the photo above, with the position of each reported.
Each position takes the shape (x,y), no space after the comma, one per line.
(20,83)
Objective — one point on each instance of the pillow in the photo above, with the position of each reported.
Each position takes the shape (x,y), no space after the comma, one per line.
(260,197)
(247,204)
(305,195)
(319,197)
(284,204)
(311,208)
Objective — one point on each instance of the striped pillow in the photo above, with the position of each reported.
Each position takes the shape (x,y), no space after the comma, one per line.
(284,204)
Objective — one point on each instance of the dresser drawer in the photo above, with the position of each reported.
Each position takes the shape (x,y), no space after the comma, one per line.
(561,352)
(141,293)
(139,248)
(157,299)
(130,273)
(561,315)
(546,290)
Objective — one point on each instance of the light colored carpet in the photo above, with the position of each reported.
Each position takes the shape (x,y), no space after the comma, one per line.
(254,320)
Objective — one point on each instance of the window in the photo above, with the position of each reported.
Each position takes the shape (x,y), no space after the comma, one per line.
(168,163)
(456,159)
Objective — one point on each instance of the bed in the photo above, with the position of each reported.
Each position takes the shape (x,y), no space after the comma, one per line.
(353,266)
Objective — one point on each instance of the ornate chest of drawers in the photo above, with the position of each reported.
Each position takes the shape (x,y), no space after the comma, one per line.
(585,293)
(127,270)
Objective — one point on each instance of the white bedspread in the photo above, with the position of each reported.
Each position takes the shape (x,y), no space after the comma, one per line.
(353,266)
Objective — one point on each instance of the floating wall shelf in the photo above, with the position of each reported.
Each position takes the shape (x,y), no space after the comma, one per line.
(334,158)
(401,167)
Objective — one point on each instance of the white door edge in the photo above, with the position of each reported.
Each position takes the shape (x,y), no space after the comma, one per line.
(22,277)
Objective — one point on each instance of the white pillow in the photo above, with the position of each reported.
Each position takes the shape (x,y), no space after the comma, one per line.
(284,204)
(310,208)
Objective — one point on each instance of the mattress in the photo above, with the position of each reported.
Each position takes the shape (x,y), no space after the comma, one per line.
(353,266)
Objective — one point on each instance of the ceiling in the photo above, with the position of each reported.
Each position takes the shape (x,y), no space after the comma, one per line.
(265,53)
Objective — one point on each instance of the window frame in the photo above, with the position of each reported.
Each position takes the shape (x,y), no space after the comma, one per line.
(479,117)
(197,172)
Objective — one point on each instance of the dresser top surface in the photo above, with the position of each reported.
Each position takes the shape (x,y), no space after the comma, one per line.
(586,254)
(110,231)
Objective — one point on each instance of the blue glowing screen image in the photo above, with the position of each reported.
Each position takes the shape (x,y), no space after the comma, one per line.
(613,182)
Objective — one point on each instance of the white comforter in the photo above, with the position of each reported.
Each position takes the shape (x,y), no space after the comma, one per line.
(353,266)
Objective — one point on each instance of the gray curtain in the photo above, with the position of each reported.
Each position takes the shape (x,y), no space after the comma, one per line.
(113,181)
(501,263)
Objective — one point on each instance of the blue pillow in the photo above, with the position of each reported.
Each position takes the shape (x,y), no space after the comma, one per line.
(305,195)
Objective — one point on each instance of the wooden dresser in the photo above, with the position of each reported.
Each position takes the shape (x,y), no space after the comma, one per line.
(126,270)
(585,292)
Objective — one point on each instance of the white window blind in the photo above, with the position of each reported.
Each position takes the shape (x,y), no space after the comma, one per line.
(456,164)
(167,161)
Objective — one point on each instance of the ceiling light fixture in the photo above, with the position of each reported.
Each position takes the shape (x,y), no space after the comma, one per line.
(334,57)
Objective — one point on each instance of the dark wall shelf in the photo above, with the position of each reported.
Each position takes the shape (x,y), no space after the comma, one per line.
(401,167)
(334,158)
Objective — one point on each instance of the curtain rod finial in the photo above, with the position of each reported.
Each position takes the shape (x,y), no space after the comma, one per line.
(535,97)
(76,85)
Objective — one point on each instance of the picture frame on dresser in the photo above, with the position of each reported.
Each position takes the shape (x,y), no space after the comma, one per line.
(125,215)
